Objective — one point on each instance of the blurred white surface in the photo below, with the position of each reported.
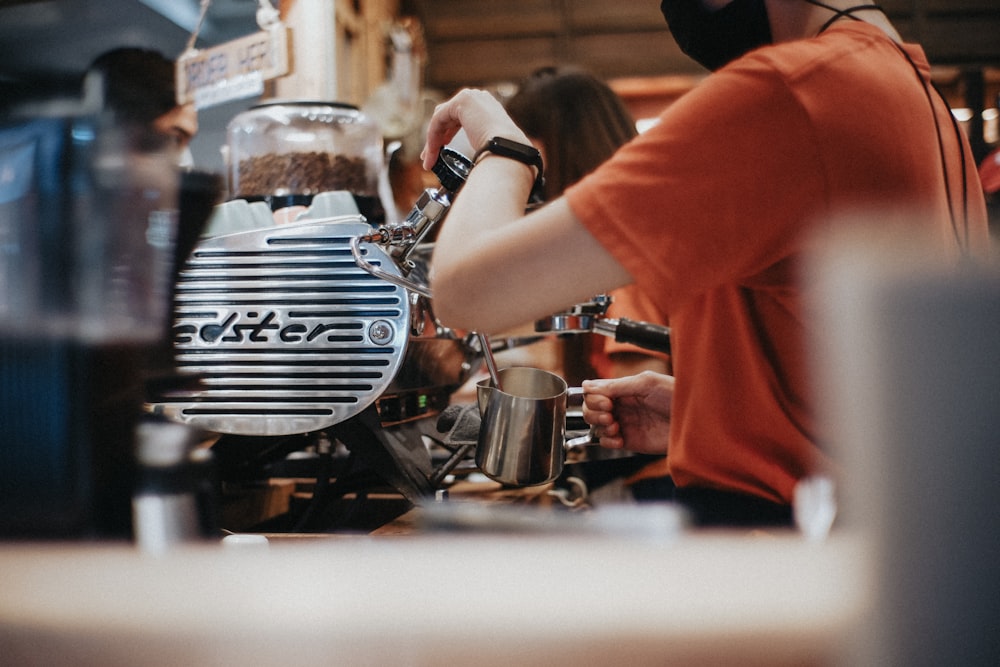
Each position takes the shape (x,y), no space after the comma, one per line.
(748,598)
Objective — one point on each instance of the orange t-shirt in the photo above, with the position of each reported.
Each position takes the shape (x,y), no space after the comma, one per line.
(632,303)
(710,211)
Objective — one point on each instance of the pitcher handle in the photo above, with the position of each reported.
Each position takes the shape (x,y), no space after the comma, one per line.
(580,441)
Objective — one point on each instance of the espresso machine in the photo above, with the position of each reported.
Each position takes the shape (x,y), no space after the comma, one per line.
(303,317)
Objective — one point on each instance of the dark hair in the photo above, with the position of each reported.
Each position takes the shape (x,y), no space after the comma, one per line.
(137,84)
(579,120)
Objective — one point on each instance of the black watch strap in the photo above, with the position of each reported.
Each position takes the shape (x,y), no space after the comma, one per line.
(524,154)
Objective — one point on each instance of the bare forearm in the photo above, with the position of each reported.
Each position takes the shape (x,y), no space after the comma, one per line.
(495,268)
(492,279)
(461,274)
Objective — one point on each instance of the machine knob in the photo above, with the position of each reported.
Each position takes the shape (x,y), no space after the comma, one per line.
(452,168)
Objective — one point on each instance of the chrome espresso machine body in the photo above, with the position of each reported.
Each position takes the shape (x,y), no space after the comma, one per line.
(296,327)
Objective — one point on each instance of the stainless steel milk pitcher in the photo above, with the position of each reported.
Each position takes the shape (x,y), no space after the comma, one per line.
(522,435)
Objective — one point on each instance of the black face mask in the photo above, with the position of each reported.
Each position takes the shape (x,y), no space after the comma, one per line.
(714,38)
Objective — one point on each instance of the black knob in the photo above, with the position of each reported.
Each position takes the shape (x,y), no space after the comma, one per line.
(651,336)
(452,168)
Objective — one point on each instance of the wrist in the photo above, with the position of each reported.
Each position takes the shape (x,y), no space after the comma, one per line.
(524,153)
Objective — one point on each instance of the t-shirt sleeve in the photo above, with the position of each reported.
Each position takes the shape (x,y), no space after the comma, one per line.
(712,194)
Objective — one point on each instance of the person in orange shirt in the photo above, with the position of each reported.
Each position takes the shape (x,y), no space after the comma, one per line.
(814,109)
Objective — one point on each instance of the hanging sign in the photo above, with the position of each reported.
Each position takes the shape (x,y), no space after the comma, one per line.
(234,70)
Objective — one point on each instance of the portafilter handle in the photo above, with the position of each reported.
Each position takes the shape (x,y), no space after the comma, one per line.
(655,337)
(590,318)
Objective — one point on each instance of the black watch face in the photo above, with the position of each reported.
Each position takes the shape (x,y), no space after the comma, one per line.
(514,148)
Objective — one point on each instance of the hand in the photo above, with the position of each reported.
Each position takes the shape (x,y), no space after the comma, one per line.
(479,113)
(632,412)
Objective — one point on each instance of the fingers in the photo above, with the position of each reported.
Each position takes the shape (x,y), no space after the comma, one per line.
(609,388)
(596,396)
(442,128)
(597,411)
(610,436)
(598,418)
(607,436)
(597,403)
(448,118)
(478,112)
(611,443)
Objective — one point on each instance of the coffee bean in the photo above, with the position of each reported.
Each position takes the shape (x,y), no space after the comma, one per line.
(303,174)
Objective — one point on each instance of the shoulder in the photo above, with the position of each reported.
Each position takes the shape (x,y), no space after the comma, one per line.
(787,83)
(847,49)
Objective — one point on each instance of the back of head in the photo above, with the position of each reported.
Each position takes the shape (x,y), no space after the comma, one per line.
(135,84)
(579,120)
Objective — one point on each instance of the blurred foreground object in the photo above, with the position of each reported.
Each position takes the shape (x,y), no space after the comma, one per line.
(909,363)
(88,222)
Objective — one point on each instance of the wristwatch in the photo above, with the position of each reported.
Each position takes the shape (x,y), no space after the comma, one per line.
(524,154)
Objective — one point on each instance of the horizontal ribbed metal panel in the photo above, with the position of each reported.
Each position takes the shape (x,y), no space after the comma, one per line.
(288,333)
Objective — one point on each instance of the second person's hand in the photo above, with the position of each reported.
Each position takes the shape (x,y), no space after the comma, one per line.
(632,412)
